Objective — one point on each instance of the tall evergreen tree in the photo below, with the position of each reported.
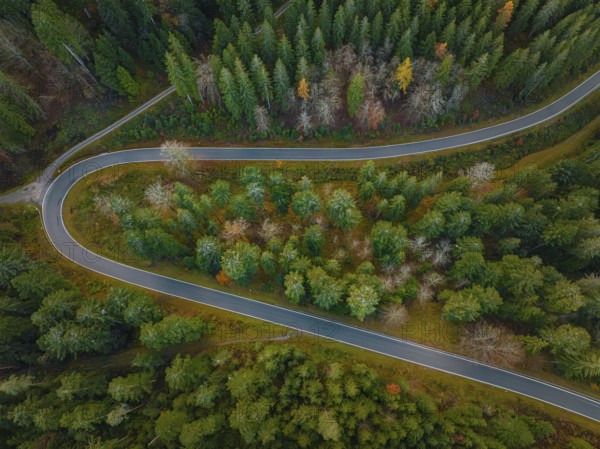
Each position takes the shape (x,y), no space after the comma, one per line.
(318,47)
(281,83)
(108,56)
(262,81)
(246,92)
(356,93)
(286,54)
(181,70)
(60,33)
(325,21)
(268,44)
(229,92)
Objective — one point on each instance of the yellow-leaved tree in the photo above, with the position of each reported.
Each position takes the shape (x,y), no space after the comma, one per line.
(404,74)
(505,14)
(303,89)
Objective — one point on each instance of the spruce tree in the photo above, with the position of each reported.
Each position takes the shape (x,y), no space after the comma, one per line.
(325,21)
(268,44)
(60,33)
(246,44)
(356,94)
(229,92)
(339,28)
(281,85)
(262,81)
(318,47)
(245,88)
(286,54)
(181,70)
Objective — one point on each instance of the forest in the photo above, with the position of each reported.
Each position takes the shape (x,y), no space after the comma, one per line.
(261,394)
(258,394)
(368,65)
(505,256)
(512,259)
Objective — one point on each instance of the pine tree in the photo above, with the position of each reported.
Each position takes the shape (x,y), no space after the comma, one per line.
(318,47)
(302,70)
(222,37)
(116,18)
(245,44)
(525,12)
(245,11)
(268,46)
(394,27)
(108,56)
(310,15)
(246,92)
(302,49)
(364,36)
(478,71)
(356,93)
(60,33)
(181,70)
(444,70)
(281,83)
(286,54)
(230,54)
(339,27)
(229,92)
(127,83)
(325,21)
(342,210)
(262,81)
(377,30)
(405,49)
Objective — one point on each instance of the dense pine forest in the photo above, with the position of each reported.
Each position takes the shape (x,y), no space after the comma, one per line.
(370,65)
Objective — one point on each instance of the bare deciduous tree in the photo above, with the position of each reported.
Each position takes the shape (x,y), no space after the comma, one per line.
(178,157)
(481,173)
(433,279)
(424,294)
(207,83)
(325,112)
(262,119)
(493,345)
(394,315)
(234,230)
(304,122)
(269,229)
(159,196)
(425,101)
(418,244)
(441,254)
(344,61)
(371,114)
(366,250)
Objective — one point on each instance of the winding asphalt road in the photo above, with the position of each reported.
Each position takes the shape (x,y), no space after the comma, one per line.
(304,323)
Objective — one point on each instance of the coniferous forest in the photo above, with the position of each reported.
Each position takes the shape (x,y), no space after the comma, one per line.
(494,246)
(370,65)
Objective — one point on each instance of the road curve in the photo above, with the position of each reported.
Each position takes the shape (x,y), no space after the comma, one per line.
(305,323)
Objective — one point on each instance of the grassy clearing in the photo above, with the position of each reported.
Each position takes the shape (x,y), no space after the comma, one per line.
(566,148)
(446,389)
